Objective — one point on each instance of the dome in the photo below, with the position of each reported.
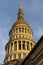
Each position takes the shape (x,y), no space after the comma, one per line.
(20,21)
(20,40)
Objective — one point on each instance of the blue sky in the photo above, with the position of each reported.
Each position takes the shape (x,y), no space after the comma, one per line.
(33,14)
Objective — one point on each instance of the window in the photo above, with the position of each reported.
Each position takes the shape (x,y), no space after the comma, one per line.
(27,45)
(14,56)
(19,42)
(23,36)
(19,45)
(11,46)
(19,29)
(15,46)
(19,56)
(25,30)
(23,44)
(19,36)
(22,29)
(28,30)
(31,45)
(16,30)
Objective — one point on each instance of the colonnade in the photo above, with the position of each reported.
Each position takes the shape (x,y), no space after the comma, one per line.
(21,30)
(19,45)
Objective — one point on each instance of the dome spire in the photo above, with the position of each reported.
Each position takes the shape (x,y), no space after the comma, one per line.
(20,13)
(20,6)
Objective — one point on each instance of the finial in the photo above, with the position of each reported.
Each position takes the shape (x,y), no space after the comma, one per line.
(20,3)
(20,13)
(20,6)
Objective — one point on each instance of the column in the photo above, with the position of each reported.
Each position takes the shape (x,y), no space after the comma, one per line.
(10,47)
(16,56)
(21,55)
(13,46)
(12,56)
(25,45)
(30,46)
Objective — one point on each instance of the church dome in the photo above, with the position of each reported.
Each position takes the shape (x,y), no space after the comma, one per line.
(21,22)
(20,40)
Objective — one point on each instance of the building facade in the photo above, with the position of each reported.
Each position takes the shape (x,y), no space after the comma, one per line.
(21,41)
(36,55)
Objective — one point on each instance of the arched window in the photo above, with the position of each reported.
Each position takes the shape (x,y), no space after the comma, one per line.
(15,46)
(27,45)
(25,30)
(16,30)
(19,36)
(19,29)
(31,45)
(23,36)
(23,44)
(22,29)
(19,45)
(28,30)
